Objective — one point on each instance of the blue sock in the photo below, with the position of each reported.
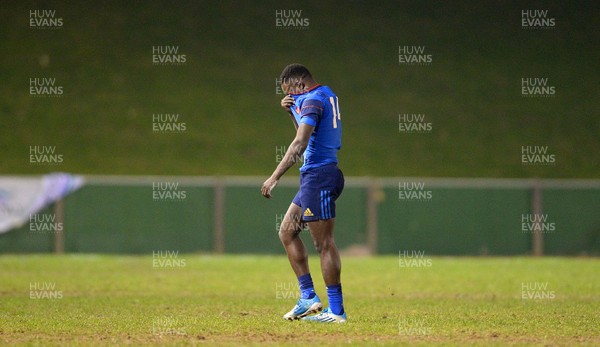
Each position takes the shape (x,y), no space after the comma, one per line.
(307,290)
(336,301)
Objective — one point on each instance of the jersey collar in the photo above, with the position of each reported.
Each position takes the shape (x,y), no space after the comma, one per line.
(308,90)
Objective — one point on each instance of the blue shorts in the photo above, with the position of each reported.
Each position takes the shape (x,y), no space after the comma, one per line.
(319,189)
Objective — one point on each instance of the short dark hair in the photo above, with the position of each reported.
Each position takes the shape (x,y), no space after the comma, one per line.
(295,71)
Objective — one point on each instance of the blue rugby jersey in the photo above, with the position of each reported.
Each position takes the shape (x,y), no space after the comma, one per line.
(320,108)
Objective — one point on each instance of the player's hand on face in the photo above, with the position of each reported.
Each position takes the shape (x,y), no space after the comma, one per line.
(267,186)
(287,102)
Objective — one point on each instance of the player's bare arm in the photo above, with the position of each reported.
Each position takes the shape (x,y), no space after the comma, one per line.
(291,157)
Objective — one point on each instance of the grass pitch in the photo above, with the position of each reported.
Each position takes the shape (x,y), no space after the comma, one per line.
(108,300)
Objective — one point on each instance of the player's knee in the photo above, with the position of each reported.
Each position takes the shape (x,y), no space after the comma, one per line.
(318,246)
(324,244)
(283,235)
(286,232)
